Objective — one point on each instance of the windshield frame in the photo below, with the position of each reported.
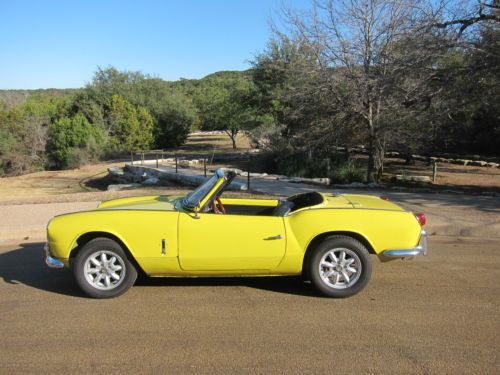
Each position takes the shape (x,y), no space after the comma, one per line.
(198,198)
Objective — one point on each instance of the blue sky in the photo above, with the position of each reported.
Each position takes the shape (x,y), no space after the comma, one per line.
(60,43)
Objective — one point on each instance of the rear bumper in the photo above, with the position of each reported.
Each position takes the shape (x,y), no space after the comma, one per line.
(51,261)
(420,249)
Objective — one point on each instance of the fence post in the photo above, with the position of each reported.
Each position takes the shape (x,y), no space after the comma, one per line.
(434,170)
(162,157)
(132,158)
(205,166)
(142,158)
(248,173)
(157,156)
(175,163)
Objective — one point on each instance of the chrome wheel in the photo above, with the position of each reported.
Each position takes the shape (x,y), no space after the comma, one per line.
(340,268)
(104,270)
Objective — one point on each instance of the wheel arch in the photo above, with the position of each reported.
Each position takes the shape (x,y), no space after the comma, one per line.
(322,236)
(85,238)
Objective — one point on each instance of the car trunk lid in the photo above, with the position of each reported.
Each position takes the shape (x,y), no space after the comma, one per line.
(371,202)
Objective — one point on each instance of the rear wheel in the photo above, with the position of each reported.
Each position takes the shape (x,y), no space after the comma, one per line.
(102,269)
(340,266)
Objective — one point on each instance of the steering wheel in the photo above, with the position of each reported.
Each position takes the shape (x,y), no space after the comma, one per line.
(218,210)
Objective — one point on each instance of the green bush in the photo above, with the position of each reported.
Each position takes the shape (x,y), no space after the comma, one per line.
(313,164)
(131,128)
(73,141)
(174,123)
(348,172)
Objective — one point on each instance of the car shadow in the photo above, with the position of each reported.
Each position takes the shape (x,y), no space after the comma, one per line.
(25,264)
(280,284)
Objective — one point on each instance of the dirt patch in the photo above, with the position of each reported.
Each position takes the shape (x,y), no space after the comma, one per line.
(49,183)
(213,143)
(448,175)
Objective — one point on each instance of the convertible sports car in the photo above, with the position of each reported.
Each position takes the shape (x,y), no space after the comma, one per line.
(326,238)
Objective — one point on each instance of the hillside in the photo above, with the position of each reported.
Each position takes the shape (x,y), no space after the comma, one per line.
(12,98)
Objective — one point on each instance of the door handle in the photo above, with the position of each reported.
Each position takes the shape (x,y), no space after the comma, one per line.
(277,237)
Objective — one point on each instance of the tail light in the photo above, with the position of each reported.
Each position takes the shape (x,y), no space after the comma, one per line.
(384,198)
(421,218)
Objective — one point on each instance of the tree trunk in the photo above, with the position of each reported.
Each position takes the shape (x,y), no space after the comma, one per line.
(376,147)
(379,158)
(376,150)
(232,134)
(347,155)
(409,160)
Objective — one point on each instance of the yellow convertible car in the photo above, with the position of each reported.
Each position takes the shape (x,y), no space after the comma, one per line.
(326,238)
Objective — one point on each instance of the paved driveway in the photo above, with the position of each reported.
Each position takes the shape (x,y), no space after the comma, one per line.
(438,314)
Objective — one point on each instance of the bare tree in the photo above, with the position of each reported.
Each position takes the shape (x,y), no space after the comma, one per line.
(469,13)
(373,56)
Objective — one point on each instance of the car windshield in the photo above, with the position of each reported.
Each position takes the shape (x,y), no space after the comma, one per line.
(193,200)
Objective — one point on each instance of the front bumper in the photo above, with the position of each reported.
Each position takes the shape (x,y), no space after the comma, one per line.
(420,249)
(49,260)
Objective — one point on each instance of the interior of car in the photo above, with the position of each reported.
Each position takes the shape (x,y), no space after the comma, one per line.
(283,208)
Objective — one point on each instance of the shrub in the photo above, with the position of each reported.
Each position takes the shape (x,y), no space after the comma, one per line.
(174,123)
(131,128)
(73,142)
(348,172)
(313,164)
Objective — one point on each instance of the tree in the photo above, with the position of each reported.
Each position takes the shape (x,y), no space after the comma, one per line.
(174,121)
(466,112)
(291,89)
(11,140)
(469,14)
(73,141)
(172,111)
(372,57)
(226,104)
(129,128)
(23,134)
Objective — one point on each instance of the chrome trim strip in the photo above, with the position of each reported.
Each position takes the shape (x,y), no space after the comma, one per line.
(420,249)
(50,261)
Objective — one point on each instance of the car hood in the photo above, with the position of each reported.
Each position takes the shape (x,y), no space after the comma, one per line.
(150,202)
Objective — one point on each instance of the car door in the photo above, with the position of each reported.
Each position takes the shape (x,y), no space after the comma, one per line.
(212,242)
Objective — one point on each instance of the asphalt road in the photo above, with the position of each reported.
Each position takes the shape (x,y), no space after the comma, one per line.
(439,314)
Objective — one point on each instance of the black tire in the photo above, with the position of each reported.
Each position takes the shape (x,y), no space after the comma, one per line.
(112,278)
(331,281)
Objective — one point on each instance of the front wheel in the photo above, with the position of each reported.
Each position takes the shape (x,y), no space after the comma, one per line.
(102,269)
(340,267)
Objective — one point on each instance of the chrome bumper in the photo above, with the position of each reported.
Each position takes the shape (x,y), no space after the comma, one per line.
(50,261)
(421,249)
